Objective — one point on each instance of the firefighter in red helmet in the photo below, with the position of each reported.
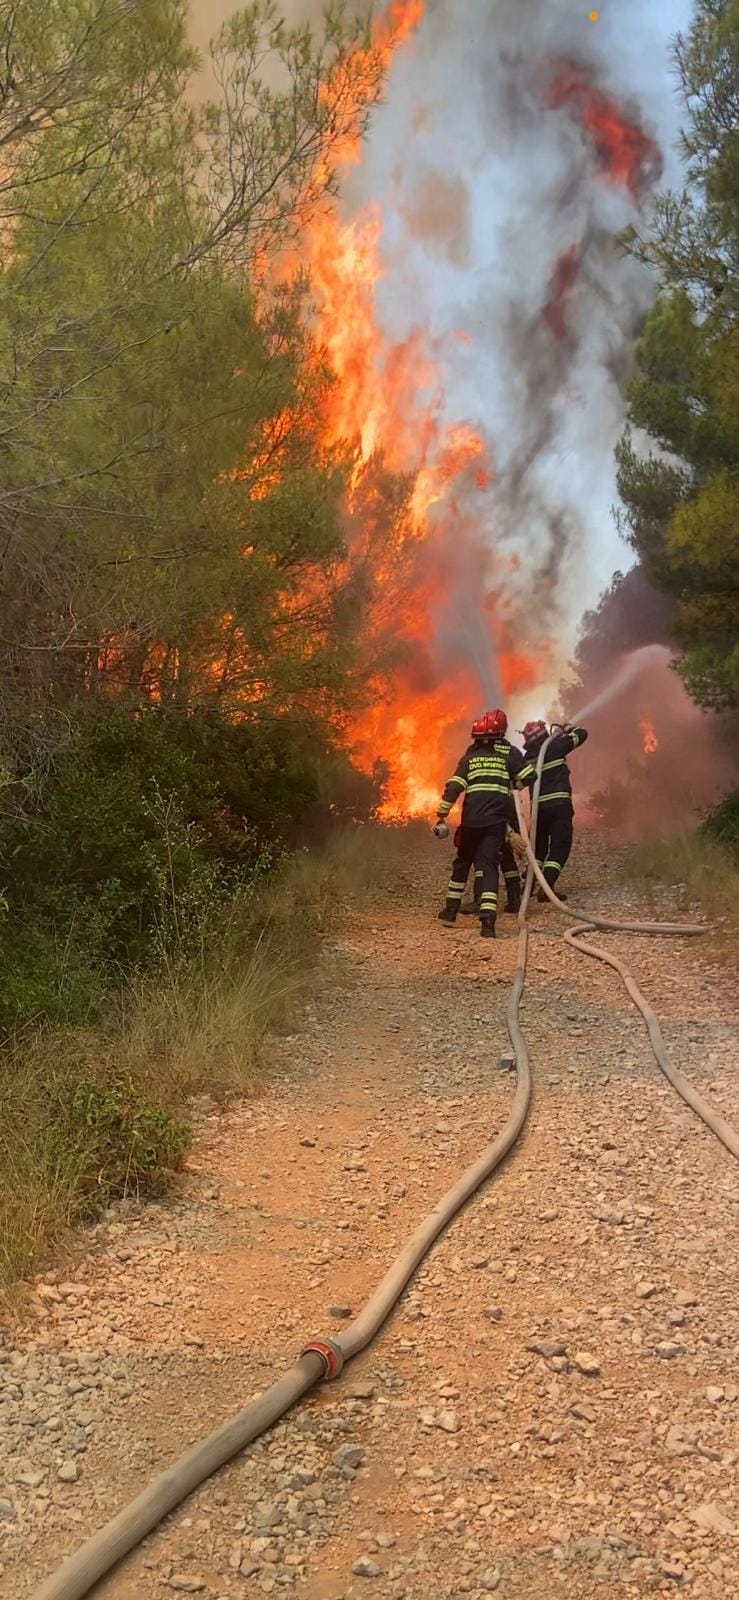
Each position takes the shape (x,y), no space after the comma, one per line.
(554,823)
(484,775)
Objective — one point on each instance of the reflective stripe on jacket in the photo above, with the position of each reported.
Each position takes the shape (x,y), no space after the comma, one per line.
(485,775)
(556,783)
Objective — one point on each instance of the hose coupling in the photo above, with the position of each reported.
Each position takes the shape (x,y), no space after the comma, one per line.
(331,1355)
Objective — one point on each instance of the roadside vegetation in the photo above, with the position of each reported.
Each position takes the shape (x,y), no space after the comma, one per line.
(702,864)
(101,1107)
(681,494)
(181,647)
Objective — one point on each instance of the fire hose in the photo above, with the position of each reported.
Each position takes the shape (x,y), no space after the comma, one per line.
(324,1359)
(589,924)
(321,1359)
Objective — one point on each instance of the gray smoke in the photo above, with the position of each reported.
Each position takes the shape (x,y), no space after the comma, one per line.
(499,222)
(487,191)
(462,633)
(695,758)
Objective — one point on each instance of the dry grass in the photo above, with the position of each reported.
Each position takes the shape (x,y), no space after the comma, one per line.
(198,1025)
(704,872)
(201,1027)
(75,1133)
(38,1184)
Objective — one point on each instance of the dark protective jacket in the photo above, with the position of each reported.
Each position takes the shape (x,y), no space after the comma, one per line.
(485,775)
(511,821)
(555,778)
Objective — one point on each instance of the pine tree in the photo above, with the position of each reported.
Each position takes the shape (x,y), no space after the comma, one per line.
(681,499)
(168,519)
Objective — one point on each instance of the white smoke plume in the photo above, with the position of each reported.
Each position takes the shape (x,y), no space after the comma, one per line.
(502,181)
(486,192)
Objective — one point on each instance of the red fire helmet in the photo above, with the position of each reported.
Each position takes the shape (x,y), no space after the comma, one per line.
(493,722)
(533,730)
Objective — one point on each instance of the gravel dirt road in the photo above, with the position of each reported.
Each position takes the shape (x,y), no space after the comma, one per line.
(552,1412)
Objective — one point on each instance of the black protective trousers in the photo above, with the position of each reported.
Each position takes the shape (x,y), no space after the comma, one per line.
(511,875)
(553,837)
(479,848)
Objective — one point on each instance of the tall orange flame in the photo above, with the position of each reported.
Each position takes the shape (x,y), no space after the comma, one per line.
(385,403)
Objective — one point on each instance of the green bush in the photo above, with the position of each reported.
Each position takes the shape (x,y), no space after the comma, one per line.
(121,1141)
(722,824)
(49,976)
(76,1133)
(135,840)
(90,1114)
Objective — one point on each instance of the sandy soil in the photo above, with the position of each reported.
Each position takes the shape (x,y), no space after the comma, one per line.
(551,1413)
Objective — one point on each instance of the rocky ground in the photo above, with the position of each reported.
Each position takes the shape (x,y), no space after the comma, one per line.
(552,1412)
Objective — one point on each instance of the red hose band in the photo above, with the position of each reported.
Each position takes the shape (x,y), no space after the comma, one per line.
(330,1353)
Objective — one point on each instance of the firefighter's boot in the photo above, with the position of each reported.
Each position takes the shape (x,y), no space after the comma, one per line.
(449,915)
(487,927)
(513,896)
(551,876)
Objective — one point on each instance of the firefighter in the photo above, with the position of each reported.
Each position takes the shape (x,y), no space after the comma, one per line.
(555,816)
(484,776)
(508,867)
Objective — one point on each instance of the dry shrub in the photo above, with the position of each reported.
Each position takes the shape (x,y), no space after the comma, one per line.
(76,1133)
(700,870)
(200,1025)
(92,1114)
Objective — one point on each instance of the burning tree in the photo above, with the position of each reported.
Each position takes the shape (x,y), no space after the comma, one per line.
(137,372)
(180,616)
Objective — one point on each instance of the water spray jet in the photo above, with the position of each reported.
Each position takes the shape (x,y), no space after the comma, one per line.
(631,667)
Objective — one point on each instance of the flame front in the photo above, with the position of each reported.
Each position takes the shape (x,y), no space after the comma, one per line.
(648,737)
(386,403)
(440,604)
